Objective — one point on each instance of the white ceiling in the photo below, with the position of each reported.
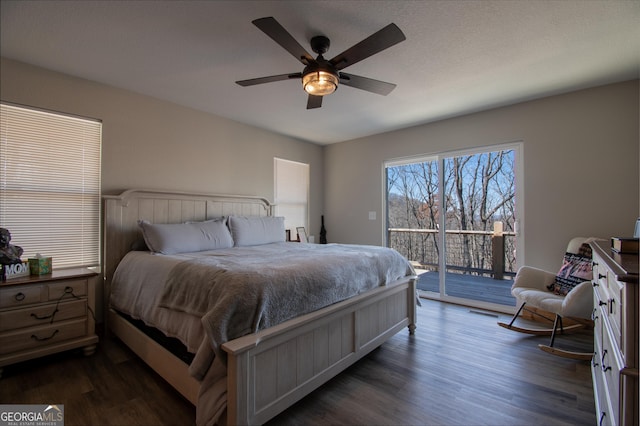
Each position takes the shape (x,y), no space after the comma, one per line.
(459,56)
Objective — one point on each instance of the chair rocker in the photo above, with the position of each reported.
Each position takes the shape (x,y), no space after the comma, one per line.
(530,288)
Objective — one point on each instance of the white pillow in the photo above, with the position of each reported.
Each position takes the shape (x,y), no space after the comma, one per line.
(253,231)
(186,237)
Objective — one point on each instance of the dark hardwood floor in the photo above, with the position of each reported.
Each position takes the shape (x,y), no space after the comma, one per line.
(459,369)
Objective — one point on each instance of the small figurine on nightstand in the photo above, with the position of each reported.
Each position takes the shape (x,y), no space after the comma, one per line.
(9,254)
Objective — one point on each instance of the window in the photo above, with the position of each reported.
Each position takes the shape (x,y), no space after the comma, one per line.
(292,194)
(50,184)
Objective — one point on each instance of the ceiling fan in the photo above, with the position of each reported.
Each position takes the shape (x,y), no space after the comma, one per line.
(321,77)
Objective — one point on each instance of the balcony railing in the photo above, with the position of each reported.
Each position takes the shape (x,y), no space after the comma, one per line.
(480,253)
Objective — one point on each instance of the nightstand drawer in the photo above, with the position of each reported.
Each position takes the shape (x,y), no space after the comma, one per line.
(42,315)
(41,336)
(67,289)
(21,295)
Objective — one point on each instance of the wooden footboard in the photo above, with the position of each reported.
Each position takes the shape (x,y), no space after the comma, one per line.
(269,371)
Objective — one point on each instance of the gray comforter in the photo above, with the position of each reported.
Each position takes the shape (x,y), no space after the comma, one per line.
(273,283)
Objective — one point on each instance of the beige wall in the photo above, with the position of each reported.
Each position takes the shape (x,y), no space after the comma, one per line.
(580,173)
(152,144)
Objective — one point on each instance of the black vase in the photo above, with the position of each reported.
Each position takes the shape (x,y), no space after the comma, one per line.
(323,232)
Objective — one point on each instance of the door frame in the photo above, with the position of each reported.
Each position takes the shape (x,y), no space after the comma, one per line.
(518,148)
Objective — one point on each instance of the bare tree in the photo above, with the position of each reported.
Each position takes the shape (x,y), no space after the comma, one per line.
(478,190)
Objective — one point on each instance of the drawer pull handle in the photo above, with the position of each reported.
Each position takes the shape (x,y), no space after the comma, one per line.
(68,290)
(611,302)
(38,317)
(601,276)
(595,284)
(600,303)
(42,339)
(602,416)
(594,315)
(605,368)
(20,297)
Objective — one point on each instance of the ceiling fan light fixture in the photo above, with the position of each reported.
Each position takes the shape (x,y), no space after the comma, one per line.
(320,83)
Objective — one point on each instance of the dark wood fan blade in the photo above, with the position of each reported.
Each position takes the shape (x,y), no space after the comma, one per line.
(269,79)
(377,42)
(273,29)
(314,102)
(368,84)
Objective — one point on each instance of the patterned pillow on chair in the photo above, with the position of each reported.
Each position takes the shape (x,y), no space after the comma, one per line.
(576,268)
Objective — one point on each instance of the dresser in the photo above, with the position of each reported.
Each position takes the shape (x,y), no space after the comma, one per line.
(615,360)
(41,315)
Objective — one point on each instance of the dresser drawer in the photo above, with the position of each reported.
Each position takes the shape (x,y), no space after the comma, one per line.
(596,317)
(64,289)
(615,310)
(30,316)
(36,337)
(611,365)
(603,408)
(608,290)
(22,295)
(600,281)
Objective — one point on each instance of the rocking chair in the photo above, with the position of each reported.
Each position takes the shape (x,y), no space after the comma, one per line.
(531,288)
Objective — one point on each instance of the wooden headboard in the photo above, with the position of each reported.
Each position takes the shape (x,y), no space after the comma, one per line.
(122,213)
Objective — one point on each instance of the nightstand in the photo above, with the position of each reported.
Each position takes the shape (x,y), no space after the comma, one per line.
(45,314)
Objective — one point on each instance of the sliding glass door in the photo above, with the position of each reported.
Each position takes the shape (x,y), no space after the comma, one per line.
(454,216)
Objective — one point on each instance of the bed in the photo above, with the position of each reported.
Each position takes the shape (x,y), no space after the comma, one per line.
(261,360)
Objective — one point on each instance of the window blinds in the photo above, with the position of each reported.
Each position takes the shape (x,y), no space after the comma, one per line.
(50,184)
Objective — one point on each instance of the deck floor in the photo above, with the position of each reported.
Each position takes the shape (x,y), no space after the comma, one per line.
(472,287)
